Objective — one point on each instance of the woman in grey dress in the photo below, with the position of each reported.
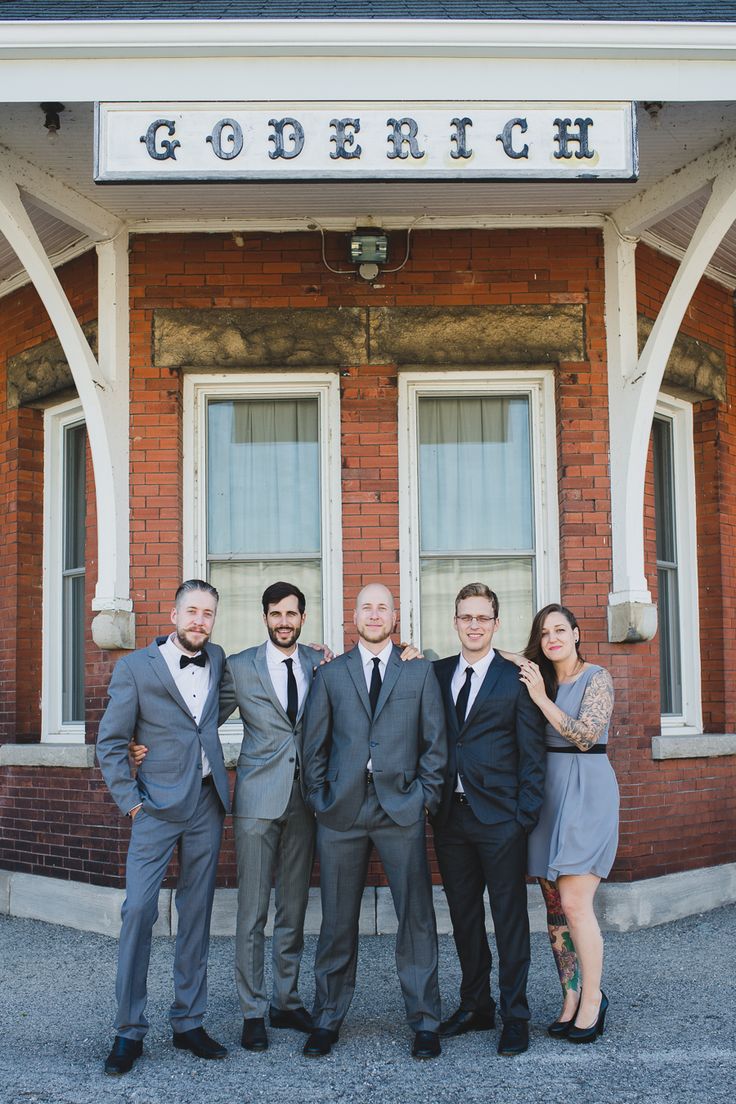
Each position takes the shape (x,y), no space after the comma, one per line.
(574,844)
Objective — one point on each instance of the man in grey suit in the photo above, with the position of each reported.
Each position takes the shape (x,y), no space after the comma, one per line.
(274,829)
(166,696)
(374,756)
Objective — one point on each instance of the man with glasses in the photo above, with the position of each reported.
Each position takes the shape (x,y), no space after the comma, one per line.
(491,800)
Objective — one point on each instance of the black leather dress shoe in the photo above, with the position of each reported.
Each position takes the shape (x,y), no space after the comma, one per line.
(297,1018)
(514,1037)
(254,1035)
(198,1042)
(122,1056)
(467,1019)
(319,1044)
(426,1045)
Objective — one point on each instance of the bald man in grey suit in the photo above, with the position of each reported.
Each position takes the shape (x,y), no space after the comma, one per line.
(374,757)
(166,696)
(274,829)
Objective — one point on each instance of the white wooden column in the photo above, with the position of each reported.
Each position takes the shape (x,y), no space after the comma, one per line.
(634,383)
(102,388)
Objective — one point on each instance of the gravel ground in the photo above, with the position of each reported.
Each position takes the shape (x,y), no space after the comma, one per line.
(669,1037)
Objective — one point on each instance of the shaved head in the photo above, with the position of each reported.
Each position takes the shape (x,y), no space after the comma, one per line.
(375,592)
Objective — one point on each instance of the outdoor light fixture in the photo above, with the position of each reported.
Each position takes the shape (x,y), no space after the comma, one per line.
(368,249)
(52,122)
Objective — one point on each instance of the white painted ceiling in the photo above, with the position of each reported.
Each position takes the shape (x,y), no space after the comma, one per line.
(680,133)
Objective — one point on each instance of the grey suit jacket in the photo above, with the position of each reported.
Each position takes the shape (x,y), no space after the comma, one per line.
(405,740)
(270,747)
(145,703)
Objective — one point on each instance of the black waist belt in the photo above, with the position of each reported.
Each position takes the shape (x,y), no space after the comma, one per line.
(597,749)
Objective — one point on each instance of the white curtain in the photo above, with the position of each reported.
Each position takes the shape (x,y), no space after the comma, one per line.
(476,513)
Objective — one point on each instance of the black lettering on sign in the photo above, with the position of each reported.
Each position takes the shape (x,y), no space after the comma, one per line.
(168,149)
(295,133)
(460,137)
(506,138)
(564,136)
(404,132)
(235,137)
(344,139)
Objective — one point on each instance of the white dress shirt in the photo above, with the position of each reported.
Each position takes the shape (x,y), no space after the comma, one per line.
(367,658)
(192,682)
(276,661)
(480,670)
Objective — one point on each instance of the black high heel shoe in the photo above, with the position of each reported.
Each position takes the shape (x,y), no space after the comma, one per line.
(590,1034)
(560,1029)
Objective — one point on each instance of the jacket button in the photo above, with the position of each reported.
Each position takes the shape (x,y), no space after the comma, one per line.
(460,744)
(291,760)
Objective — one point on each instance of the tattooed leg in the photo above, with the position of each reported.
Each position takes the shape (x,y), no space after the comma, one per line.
(563,949)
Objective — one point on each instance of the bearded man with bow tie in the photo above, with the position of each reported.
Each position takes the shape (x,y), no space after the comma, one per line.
(166,696)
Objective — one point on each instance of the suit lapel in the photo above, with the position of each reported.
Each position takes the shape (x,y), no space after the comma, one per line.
(444,671)
(489,682)
(393,670)
(160,668)
(308,670)
(261,665)
(355,668)
(213,694)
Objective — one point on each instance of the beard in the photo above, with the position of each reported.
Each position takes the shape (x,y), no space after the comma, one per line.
(188,643)
(374,634)
(284,641)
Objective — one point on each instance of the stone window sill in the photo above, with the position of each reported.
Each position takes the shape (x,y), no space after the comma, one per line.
(707,745)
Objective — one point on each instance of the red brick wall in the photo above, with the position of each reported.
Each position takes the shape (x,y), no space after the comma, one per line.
(659,799)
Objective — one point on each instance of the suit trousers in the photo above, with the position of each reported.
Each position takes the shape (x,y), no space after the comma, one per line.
(283,847)
(152,843)
(343,858)
(472,857)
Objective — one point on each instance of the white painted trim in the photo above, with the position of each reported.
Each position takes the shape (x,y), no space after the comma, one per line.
(538,385)
(680,415)
(58,199)
(326,387)
(75,39)
(57,419)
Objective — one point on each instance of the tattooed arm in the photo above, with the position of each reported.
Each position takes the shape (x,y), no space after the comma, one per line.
(595,710)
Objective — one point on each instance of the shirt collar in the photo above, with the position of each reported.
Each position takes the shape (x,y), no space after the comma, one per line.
(367,656)
(274,656)
(480,667)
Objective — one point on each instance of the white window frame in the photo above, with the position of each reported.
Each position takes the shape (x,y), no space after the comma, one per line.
(57,420)
(679,413)
(198,389)
(538,386)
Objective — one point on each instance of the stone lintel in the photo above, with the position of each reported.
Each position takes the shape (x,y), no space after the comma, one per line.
(694,368)
(333,337)
(43,370)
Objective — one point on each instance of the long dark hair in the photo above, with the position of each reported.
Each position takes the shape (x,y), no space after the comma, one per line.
(534,651)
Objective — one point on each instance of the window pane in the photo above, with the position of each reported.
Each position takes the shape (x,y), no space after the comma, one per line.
(670,667)
(75,499)
(263,486)
(664,491)
(239,621)
(72,684)
(442,578)
(475,486)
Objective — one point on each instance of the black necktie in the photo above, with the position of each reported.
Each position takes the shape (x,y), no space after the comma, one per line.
(461,704)
(198,660)
(292,697)
(375,687)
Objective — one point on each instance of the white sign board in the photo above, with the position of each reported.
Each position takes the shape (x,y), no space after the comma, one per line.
(364,141)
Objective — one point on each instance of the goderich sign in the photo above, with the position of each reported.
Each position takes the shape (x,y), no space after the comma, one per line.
(359,141)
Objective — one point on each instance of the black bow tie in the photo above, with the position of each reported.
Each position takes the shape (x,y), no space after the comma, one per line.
(198,660)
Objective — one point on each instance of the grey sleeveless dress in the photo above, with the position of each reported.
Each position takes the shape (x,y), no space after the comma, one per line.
(577,832)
